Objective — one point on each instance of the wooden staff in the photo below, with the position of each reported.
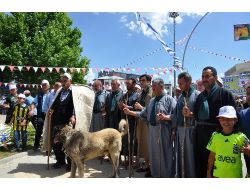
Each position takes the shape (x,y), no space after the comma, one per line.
(129,151)
(133,146)
(159,137)
(183,141)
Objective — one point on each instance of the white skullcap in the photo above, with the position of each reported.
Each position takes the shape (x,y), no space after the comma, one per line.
(12,86)
(22,96)
(137,86)
(26,92)
(67,75)
(45,82)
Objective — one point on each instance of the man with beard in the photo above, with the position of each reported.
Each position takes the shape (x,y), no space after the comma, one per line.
(206,109)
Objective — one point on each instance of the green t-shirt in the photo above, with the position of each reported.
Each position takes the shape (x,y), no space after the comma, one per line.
(227,154)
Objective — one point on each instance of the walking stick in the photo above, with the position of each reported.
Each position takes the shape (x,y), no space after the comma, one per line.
(129,152)
(133,147)
(182,144)
(159,137)
(49,141)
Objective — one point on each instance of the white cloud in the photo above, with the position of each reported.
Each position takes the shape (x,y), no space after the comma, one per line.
(123,19)
(132,26)
(160,22)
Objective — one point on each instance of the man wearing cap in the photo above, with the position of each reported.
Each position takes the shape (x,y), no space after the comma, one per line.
(19,119)
(245,124)
(98,121)
(10,102)
(206,109)
(62,113)
(39,102)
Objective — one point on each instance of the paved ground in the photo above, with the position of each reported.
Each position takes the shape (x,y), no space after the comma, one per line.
(34,165)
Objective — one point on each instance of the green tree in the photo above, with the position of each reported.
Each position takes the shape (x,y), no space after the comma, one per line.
(40,40)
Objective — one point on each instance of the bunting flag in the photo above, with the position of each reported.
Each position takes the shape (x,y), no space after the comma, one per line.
(2,67)
(20,68)
(141,20)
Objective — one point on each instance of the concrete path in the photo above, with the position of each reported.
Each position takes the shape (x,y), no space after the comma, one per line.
(34,165)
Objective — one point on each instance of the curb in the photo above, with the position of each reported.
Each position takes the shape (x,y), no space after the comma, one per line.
(10,158)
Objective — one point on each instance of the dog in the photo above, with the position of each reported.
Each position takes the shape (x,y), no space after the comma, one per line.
(82,146)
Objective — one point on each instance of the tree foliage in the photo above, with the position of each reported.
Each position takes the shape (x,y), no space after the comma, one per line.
(40,40)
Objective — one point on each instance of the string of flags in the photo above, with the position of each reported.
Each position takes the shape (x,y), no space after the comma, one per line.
(23,85)
(43,69)
(218,54)
(142,20)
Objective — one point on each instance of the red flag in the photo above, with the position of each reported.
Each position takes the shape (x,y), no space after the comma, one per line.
(43,69)
(11,68)
(28,68)
(57,69)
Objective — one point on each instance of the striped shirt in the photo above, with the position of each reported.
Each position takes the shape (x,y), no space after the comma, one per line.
(20,114)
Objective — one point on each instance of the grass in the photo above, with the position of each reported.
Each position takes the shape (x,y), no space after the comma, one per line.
(6,151)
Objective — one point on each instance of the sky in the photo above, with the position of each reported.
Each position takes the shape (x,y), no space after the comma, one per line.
(114,40)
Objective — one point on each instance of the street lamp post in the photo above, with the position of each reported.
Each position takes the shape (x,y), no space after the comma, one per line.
(174,15)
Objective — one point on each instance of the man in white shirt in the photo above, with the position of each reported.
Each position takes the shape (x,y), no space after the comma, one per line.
(51,96)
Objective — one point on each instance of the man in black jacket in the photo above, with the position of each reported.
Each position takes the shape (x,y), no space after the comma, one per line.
(206,109)
(63,113)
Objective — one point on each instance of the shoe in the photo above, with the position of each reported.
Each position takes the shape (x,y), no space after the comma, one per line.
(142,169)
(58,165)
(36,148)
(16,150)
(68,168)
(148,174)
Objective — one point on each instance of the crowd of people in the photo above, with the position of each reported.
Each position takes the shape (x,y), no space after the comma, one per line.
(200,132)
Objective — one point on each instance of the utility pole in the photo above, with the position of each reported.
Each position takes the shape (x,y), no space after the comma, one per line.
(174,15)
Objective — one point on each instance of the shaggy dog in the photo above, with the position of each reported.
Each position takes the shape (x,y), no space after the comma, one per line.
(82,146)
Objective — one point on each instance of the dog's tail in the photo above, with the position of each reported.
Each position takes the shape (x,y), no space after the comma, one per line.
(123,127)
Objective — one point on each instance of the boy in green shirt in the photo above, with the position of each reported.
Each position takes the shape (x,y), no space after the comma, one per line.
(224,146)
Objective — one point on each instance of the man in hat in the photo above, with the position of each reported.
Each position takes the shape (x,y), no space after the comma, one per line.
(39,104)
(10,102)
(73,104)
(62,112)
